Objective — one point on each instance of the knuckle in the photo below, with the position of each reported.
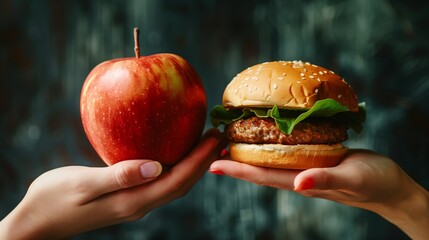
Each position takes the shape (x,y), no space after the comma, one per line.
(122,176)
(262,182)
(326,182)
(263,179)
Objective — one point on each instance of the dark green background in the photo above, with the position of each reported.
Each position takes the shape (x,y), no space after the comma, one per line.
(381,47)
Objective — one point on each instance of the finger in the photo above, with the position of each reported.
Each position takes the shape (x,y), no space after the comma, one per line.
(196,163)
(335,178)
(279,178)
(178,180)
(126,174)
(358,171)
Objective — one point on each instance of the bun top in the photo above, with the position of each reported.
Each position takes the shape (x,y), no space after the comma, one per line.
(289,85)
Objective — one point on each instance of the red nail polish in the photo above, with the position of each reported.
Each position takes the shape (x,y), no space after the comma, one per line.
(305,184)
(224,152)
(216,172)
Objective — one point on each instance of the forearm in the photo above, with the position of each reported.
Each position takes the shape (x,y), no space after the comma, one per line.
(411,214)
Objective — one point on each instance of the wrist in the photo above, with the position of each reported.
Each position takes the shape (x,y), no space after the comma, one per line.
(17,225)
(409,211)
(7,231)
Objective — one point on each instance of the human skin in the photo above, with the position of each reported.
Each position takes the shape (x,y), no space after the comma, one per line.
(363,179)
(74,199)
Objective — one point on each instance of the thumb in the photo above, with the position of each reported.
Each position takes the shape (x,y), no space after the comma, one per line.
(320,179)
(128,174)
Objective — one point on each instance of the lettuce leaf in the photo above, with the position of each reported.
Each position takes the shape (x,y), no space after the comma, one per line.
(286,120)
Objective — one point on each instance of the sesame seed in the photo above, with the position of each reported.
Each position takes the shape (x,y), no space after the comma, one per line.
(254,78)
(318,79)
(339,96)
(303,78)
(284,64)
(265,63)
(332,72)
(284,74)
(302,74)
(320,72)
(297,64)
(275,86)
(298,82)
(316,91)
(257,72)
(325,72)
(311,76)
(315,74)
(307,63)
(280,78)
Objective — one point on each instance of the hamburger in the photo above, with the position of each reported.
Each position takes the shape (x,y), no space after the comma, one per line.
(288,114)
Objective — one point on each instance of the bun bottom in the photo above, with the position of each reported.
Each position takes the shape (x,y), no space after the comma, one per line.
(288,156)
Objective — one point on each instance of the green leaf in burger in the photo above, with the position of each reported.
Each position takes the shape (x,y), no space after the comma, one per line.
(291,115)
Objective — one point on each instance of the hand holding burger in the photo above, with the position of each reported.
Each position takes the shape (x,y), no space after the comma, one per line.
(292,115)
(362,179)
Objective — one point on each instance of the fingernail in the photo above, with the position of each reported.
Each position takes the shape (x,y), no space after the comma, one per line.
(224,153)
(306,184)
(150,169)
(216,172)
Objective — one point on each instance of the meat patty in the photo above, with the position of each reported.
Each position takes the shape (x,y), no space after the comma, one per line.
(264,131)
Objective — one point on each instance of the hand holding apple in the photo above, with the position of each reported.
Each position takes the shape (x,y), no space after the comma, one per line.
(94,197)
(147,107)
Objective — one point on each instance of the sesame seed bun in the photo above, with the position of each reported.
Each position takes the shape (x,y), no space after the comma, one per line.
(290,85)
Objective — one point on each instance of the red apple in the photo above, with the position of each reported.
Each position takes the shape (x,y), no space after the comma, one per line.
(149,107)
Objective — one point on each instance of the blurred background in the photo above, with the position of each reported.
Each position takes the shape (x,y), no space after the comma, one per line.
(47,49)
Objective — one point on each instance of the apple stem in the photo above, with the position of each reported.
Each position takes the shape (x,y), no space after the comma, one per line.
(136,42)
